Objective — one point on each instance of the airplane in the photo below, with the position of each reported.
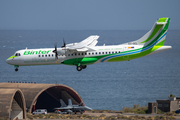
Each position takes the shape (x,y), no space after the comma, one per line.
(86,52)
(71,108)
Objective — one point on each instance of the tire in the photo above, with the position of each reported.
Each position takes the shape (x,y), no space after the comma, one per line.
(84,66)
(79,68)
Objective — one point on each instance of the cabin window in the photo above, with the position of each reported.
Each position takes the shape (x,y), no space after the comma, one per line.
(96,53)
(85,53)
(82,53)
(71,54)
(106,52)
(102,52)
(68,54)
(75,54)
(42,55)
(89,53)
(116,52)
(92,53)
(109,52)
(112,52)
(46,55)
(52,55)
(49,55)
(119,52)
(78,53)
(99,52)
(39,55)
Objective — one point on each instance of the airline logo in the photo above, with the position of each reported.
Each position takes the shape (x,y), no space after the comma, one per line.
(36,52)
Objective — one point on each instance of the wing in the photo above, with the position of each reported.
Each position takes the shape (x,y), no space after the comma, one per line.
(84,45)
(64,108)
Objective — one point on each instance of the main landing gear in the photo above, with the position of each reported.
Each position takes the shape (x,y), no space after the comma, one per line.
(80,67)
(16,66)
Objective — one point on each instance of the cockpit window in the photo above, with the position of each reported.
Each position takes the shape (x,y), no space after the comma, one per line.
(17,54)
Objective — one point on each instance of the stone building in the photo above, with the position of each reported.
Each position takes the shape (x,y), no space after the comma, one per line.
(170,105)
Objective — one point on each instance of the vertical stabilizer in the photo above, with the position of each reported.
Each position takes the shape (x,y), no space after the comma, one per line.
(156,36)
(69,102)
(62,103)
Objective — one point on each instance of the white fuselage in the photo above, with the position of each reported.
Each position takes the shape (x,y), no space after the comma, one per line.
(46,56)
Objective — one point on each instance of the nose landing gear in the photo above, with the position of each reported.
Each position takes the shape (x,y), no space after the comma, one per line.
(16,67)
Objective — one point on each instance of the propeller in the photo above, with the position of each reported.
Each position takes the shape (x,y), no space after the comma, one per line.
(55,51)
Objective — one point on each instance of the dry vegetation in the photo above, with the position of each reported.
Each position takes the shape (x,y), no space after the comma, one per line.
(135,109)
(102,116)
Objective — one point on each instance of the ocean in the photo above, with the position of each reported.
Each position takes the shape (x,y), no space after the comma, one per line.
(104,85)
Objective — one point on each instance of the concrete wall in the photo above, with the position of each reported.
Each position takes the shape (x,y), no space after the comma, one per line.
(16,111)
(16,115)
(174,106)
(8,103)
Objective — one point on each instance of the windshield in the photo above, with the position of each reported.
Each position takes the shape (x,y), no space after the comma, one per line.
(17,54)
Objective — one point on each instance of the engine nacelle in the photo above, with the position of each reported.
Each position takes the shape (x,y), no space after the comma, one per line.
(61,51)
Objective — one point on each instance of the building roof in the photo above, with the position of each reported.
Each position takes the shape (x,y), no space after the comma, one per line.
(34,92)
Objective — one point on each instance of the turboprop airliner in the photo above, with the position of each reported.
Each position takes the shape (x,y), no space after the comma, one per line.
(86,52)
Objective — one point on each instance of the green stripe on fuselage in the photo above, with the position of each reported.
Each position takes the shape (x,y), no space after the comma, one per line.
(137,55)
(84,60)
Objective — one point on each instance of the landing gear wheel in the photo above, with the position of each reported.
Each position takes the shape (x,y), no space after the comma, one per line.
(84,66)
(16,69)
(79,68)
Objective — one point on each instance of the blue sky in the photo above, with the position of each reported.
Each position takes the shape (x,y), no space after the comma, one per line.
(87,14)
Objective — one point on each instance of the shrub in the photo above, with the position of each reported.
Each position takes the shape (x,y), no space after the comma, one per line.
(102,115)
(160,112)
(150,118)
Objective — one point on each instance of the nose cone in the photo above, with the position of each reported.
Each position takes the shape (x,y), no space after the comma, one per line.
(10,60)
(88,108)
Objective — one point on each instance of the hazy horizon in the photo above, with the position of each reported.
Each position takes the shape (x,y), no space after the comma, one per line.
(86,15)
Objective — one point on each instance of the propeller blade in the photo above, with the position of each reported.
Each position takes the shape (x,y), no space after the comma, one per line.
(55,51)
(64,43)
